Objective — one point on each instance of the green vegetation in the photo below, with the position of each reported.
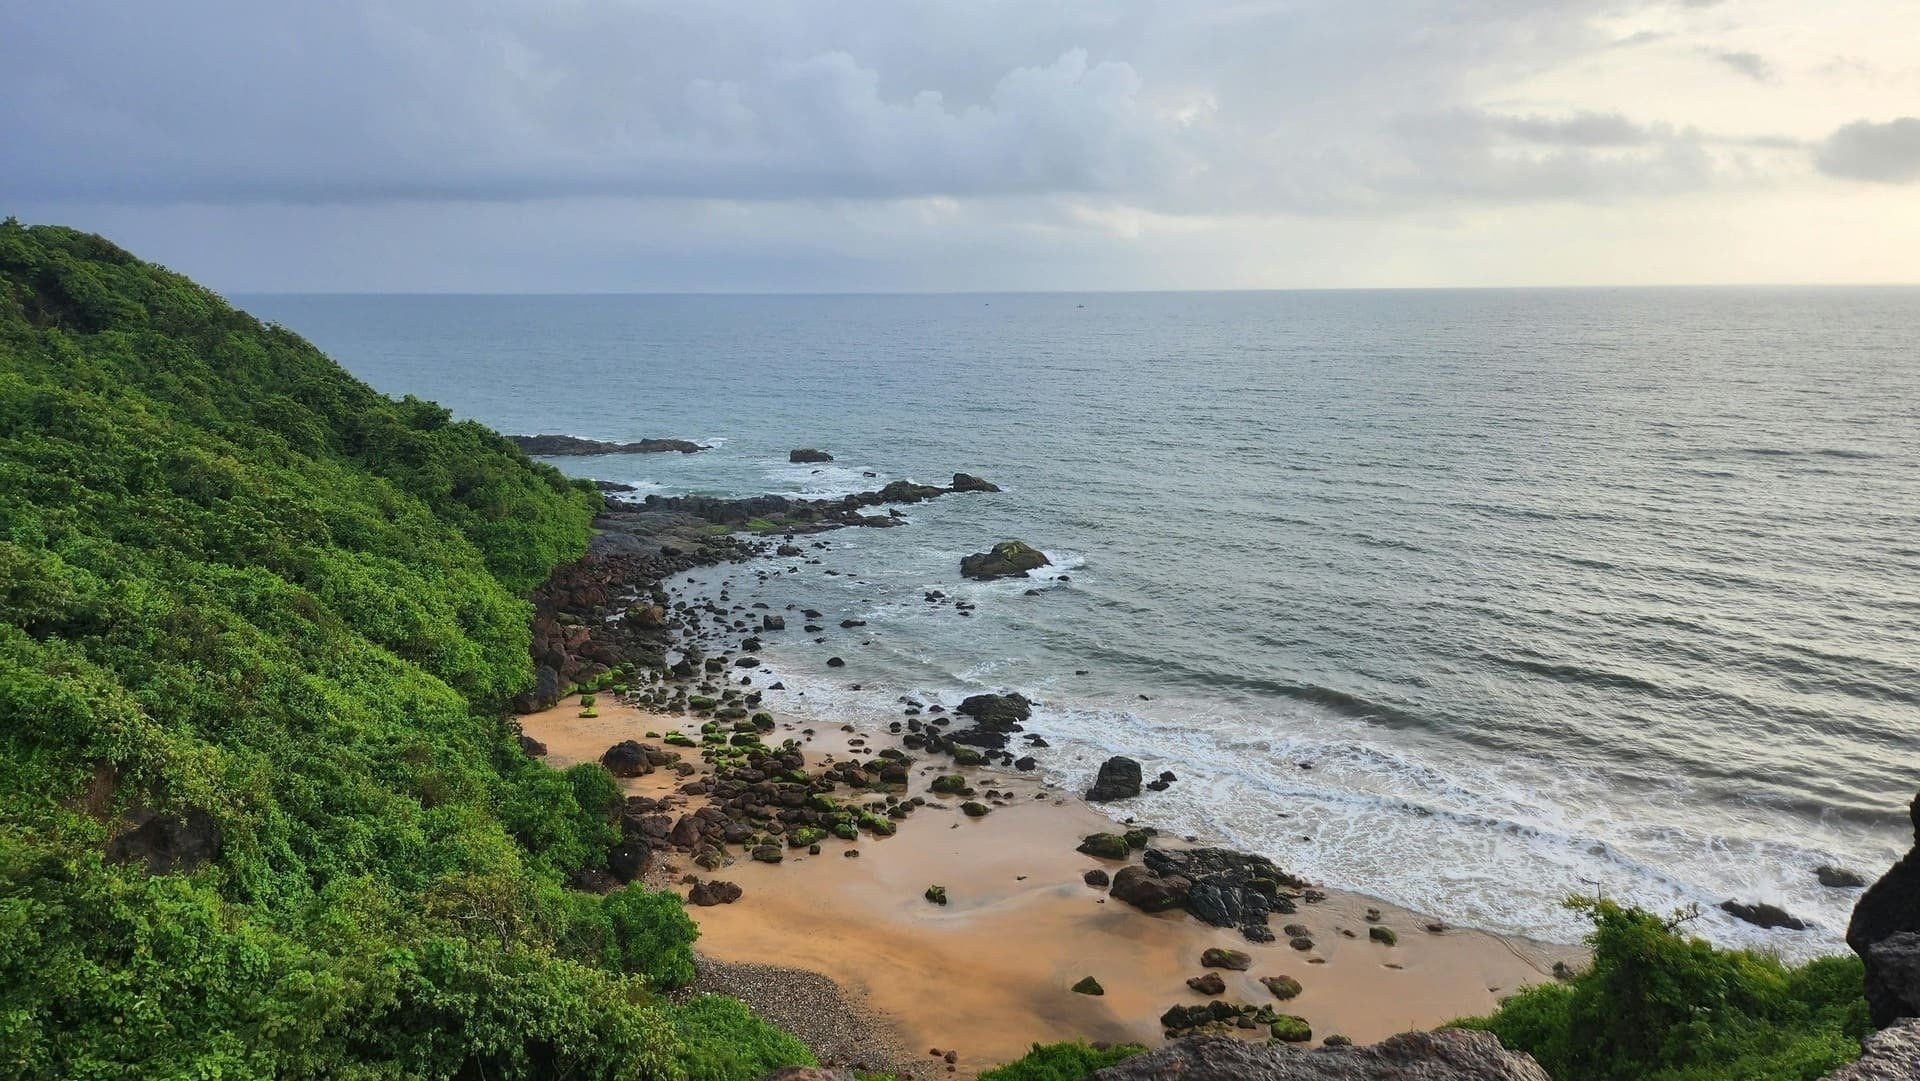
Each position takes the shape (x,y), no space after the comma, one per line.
(276,617)
(1659,1006)
(1061,1062)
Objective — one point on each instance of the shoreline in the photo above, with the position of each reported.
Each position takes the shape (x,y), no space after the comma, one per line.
(991,971)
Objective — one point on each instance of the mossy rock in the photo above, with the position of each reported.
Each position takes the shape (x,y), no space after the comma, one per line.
(1233,960)
(974,809)
(1138,838)
(823,803)
(805,836)
(1383,935)
(1283,987)
(937,894)
(1089,986)
(1006,560)
(587,701)
(745,739)
(731,713)
(846,831)
(950,784)
(1106,846)
(678,739)
(589,713)
(699,702)
(967,756)
(763,721)
(1291,1029)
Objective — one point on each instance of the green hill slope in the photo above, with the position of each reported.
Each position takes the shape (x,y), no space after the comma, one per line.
(261,813)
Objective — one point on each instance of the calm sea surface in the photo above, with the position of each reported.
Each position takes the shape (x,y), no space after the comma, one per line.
(1471,600)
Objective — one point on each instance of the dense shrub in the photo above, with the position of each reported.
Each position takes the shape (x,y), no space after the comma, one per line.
(240,589)
(1060,1062)
(722,1041)
(1661,1006)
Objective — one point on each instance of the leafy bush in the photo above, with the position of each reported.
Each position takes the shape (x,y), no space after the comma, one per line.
(1661,1006)
(244,595)
(722,1040)
(1061,1062)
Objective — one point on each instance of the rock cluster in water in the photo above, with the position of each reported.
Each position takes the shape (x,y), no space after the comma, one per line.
(554,446)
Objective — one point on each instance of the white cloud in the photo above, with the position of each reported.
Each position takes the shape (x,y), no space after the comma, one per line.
(1863,150)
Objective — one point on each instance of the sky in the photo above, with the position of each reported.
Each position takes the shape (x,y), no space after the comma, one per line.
(889,145)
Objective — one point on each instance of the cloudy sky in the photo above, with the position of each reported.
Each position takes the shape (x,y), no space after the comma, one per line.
(582,145)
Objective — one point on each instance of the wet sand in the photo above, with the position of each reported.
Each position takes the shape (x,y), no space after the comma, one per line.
(989,973)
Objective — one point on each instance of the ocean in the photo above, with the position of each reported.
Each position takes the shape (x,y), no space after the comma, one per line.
(1471,600)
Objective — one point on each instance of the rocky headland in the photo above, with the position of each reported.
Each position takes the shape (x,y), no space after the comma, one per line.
(561,446)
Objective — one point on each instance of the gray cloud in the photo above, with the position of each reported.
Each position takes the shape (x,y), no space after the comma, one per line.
(1752,65)
(1863,150)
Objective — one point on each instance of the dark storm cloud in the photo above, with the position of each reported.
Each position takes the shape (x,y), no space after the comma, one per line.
(1863,150)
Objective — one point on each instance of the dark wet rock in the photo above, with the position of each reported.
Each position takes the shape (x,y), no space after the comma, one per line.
(967,482)
(166,844)
(836,662)
(627,758)
(1383,935)
(1232,960)
(1889,1055)
(593,880)
(1089,986)
(937,894)
(554,446)
(1839,878)
(715,892)
(531,747)
(1096,878)
(996,709)
(1446,1055)
(628,860)
(1257,932)
(1890,908)
(1149,892)
(768,854)
(1771,917)
(1026,764)
(1223,887)
(973,809)
(808,456)
(1209,984)
(773,623)
(613,486)
(1107,846)
(1283,987)
(1119,779)
(1008,559)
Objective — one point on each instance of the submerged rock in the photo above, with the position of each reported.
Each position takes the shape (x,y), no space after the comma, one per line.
(1761,914)
(1008,559)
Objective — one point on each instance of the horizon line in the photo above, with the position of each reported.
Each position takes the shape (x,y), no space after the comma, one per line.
(795,293)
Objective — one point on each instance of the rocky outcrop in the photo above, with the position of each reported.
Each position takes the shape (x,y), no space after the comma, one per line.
(1449,1055)
(166,844)
(1761,914)
(555,446)
(808,456)
(1119,779)
(967,482)
(1008,559)
(1885,932)
(1890,1055)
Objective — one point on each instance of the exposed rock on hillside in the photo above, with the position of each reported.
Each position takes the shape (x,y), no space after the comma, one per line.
(1885,932)
(1451,1055)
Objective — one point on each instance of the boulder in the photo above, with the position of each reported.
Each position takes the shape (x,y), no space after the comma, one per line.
(1283,987)
(808,456)
(1089,986)
(1106,846)
(1148,891)
(1208,984)
(999,710)
(1761,914)
(1890,909)
(627,759)
(1889,1055)
(967,482)
(628,860)
(1231,960)
(531,747)
(1008,559)
(1447,1055)
(1119,779)
(716,892)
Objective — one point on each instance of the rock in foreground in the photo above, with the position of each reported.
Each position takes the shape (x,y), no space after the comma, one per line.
(1119,779)
(1008,559)
(1885,932)
(1890,1055)
(1452,1055)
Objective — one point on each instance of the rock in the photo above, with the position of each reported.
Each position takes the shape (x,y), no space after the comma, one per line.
(628,860)
(1008,559)
(768,854)
(167,844)
(1283,987)
(1107,846)
(1096,878)
(1150,892)
(627,758)
(1232,960)
(716,892)
(835,662)
(967,482)
(1888,909)
(1291,1029)
(1771,917)
(998,710)
(1089,986)
(531,747)
(974,809)
(1119,779)
(553,446)
(937,894)
(1893,977)
(1889,1055)
(1838,878)
(1026,764)
(808,456)
(1446,1055)
(1383,935)
(773,623)
(1209,984)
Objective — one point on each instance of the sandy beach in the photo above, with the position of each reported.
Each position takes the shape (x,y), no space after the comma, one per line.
(990,972)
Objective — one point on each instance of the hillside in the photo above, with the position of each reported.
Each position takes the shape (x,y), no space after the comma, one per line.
(261,810)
